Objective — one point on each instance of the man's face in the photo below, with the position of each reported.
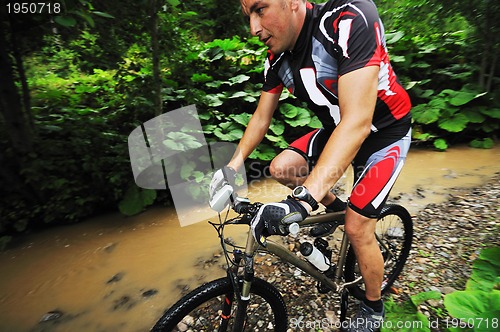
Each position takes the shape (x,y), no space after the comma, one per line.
(271,21)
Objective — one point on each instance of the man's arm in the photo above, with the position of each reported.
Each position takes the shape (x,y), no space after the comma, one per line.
(256,129)
(357,99)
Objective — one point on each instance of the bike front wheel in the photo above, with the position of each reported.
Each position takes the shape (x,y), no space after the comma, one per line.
(213,306)
(394,233)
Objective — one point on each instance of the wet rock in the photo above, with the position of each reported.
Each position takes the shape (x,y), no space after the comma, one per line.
(125,302)
(149,293)
(447,290)
(51,316)
(110,247)
(117,277)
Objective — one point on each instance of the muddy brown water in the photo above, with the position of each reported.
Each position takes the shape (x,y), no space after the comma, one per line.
(114,273)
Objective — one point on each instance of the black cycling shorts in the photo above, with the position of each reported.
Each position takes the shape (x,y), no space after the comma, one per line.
(376,165)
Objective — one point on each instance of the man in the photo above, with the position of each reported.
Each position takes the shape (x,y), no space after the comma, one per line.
(333,57)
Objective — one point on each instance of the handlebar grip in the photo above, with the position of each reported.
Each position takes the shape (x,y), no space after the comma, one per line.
(294,228)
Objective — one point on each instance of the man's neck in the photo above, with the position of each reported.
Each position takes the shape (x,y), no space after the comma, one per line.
(301,18)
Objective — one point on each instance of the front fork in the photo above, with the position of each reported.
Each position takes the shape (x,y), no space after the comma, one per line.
(242,293)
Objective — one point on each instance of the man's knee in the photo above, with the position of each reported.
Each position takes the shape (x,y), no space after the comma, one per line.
(277,169)
(288,166)
(359,229)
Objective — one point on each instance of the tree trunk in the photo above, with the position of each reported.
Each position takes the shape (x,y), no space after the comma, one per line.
(24,82)
(491,74)
(16,125)
(156,57)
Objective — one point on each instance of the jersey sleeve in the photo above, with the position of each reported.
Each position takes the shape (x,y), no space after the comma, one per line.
(359,37)
(272,81)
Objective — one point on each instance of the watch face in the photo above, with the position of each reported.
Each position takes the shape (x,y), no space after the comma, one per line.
(298,191)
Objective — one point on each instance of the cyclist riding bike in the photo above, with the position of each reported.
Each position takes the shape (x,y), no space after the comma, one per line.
(332,56)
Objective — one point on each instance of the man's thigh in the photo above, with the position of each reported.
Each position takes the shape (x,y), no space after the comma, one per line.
(376,168)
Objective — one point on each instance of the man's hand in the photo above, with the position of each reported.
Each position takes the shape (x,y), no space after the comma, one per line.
(274,218)
(221,177)
(221,188)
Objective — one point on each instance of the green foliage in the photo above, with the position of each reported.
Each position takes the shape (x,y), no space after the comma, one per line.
(477,308)
(447,107)
(480,301)
(398,313)
(90,76)
(136,199)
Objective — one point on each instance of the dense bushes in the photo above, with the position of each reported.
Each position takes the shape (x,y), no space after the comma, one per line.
(91,88)
(448,106)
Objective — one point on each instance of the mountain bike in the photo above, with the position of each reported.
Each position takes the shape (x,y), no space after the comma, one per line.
(243,302)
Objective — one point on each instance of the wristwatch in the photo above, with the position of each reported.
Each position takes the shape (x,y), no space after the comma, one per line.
(302,194)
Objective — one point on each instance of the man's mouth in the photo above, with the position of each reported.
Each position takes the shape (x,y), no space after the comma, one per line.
(265,40)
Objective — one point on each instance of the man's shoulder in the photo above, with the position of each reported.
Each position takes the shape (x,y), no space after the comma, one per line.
(338,6)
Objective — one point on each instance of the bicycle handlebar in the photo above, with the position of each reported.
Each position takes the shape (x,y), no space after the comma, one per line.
(249,210)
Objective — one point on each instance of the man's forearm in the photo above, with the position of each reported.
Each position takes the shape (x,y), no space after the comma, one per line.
(253,135)
(256,129)
(337,155)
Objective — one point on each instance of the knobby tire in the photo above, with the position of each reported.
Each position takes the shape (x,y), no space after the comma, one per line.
(219,288)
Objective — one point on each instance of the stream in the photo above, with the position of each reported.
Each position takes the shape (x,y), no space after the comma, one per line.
(114,273)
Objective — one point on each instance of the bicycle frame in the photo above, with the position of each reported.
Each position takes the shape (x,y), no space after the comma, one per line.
(232,294)
(288,256)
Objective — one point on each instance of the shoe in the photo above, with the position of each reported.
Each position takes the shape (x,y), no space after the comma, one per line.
(365,320)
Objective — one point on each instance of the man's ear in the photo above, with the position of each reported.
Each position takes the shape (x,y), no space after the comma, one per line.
(294,4)
(297,5)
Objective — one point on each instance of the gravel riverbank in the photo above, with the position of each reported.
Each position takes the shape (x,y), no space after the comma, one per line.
(448,237)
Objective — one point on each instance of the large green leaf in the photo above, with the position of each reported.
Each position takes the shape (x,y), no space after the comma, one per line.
(485,271)
(315,123)
(464,97)
(303,118)
(486,143)
(174,3)
(65,21)
(455,124)
(404,317)
(215,100)
(474,116)
(238,79)
(243,118)
(179,141)
(277,127)
(102,14)
(295,116)
(278,141)
(289,111)
(136,199)
(479,304)
(420,298)
(424,114)
(476,307)
(228,131)
(491,112)
(440,144)
(263,152)
(187,170)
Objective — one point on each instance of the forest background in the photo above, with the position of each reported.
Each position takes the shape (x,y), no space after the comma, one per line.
(75,82)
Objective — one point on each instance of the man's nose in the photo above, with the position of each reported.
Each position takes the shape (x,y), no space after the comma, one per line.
(255,27)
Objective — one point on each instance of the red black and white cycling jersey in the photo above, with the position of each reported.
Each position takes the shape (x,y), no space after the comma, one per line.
(338,37)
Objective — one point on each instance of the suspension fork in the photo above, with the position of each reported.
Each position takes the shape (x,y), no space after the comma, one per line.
(248,275)
(227,304)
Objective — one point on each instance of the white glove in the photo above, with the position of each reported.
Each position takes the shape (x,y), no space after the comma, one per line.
(221,188)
